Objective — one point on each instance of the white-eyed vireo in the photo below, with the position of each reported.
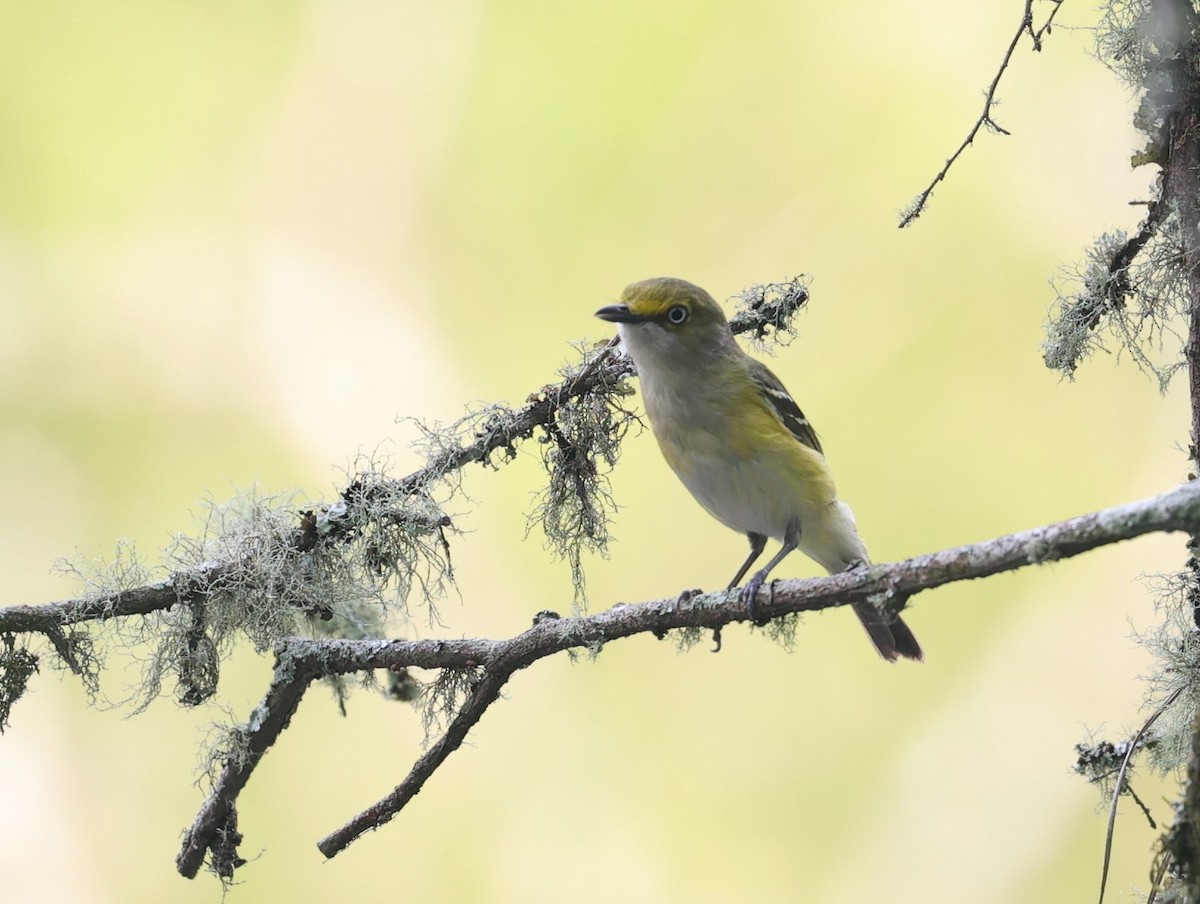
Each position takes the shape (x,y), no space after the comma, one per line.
(738,441)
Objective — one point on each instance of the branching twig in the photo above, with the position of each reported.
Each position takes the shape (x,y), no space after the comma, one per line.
(1133,746)
(917,207)
(299,661)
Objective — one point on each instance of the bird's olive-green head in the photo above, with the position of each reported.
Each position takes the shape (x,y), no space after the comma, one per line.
(675,305)
(672,329)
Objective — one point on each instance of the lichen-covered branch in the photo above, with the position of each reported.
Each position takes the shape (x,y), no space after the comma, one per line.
(766,309)
(136,601)
(489,664)
(1122,286)
(266,569)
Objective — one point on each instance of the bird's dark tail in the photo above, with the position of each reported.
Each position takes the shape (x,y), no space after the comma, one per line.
(893,641)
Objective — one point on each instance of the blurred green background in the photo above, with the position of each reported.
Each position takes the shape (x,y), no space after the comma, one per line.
(237,240)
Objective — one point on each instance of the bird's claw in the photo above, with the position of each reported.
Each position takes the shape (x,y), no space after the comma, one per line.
(748,596)
(685,596)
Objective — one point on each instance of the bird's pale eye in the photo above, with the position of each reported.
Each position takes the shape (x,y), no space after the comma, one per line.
(677,314)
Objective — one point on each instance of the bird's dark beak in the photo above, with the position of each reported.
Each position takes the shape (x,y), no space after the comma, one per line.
(619,313)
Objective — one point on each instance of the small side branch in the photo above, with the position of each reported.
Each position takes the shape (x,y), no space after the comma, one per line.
(1126,254)
(483,695)
(917,207)
(212,826)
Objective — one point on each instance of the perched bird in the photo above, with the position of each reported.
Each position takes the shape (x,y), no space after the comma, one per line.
(738,441)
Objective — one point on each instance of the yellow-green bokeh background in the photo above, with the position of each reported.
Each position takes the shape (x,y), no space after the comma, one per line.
(236,240)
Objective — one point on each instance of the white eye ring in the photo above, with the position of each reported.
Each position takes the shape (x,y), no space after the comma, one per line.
(677,314)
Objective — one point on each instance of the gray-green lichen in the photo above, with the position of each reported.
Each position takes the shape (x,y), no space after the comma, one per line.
(17,666)
(580,446)
(1134,307)
(771,309)
(1175,644)
(443,697)
(1130,293)
(264,567)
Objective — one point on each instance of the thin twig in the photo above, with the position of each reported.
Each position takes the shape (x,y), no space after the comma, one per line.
(483,695)
(1120,785)
(1045,29)
(1157,874)
(917,207)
